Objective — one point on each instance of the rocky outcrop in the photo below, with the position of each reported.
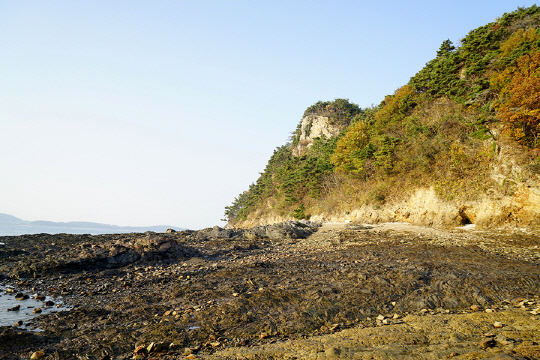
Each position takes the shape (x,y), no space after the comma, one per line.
(312,127)
(291,229)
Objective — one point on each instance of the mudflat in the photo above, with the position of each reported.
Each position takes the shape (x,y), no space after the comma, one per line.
(296,291)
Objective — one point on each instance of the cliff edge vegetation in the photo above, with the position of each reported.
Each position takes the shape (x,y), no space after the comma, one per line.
(458,144)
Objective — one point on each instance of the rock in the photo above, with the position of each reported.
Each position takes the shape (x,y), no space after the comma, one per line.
(18,323)
(170,231)
(38,355)
(37,311)
(39,297)
(21,296)
(141,350)
(10,291)
(497,324)
(264,335)
(49,303)
(381,317)
(151,348)
(191,356)
(488,344)
(475,307)
(15,308)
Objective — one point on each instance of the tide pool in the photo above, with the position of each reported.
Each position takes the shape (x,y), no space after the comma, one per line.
(27,306)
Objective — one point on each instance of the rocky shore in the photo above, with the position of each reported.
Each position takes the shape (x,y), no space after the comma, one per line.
(291,290)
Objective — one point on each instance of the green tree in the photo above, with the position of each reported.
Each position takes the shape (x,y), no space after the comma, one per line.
(446,47)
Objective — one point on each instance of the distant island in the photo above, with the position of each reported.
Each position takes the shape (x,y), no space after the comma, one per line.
(13,226)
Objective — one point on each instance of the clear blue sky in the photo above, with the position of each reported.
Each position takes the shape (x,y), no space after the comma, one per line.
(161,112)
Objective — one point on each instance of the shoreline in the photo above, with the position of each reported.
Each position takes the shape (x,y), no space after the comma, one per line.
(217,292)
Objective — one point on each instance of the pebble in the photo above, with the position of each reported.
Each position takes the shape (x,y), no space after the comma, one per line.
(15,308)
(497,324)
(38,355)
(37,311)
(21,296)
(475,307)
(489,344)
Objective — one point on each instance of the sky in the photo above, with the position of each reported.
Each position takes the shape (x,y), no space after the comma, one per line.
(139,113)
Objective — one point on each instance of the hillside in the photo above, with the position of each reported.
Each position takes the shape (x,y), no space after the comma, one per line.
(458,144)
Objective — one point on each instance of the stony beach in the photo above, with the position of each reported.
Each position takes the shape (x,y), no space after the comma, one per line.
(294,290)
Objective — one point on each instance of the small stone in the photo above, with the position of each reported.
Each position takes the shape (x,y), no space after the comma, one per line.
(381,317)
(141,350)
(10,291)
(215,343)
(187,351)
(191,356)
(38,355)
(15,308)
(396,316)
(39,297)
(21,296)
(490,311)
(489,344)
(49,303)
(475,307)
(152,347)
(167,313)
(264,335)
(18,323)
(497,324)
(235,294)
(37,311)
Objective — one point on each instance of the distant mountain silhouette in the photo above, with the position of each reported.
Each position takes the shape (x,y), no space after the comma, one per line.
(9,219)
(11,225)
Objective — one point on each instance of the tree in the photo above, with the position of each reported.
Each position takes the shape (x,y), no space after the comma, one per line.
(518,105)
(446,47)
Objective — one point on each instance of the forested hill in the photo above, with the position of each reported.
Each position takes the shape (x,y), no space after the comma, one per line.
(458,144)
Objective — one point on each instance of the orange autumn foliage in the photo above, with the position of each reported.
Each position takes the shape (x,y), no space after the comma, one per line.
(519,99)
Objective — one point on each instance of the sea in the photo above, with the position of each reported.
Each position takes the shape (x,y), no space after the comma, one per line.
(76,228)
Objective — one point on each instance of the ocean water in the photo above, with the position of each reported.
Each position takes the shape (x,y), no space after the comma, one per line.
(33,228)
(9,318)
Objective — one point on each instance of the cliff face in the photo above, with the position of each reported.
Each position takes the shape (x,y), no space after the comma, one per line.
(312,127)
(458,144)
